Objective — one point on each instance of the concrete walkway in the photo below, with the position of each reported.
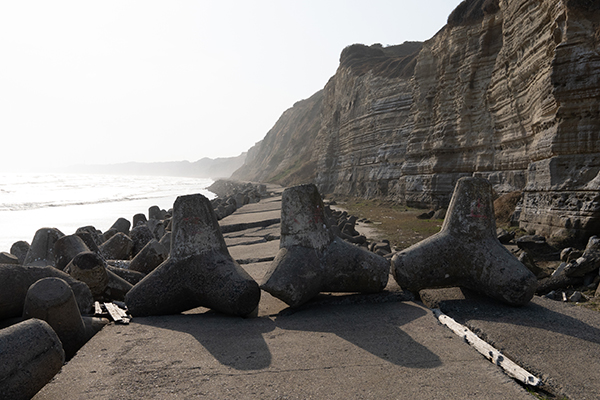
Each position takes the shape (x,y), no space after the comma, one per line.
(340,346)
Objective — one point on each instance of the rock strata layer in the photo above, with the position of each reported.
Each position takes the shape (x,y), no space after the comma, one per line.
(507,90)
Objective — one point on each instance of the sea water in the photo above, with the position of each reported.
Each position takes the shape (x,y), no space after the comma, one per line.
(29,202)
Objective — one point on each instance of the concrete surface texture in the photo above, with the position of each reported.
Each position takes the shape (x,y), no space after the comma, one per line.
(338,346)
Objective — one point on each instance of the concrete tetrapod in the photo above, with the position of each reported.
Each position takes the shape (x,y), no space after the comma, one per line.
(311,259)
(15,281)
(52,300)
(466,252)
(199,271)
(31,355)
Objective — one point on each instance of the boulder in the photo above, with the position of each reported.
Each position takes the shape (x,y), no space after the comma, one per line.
(199,271)
(466,252)
(311,259)
(537,247)
(31,355)
(588,262)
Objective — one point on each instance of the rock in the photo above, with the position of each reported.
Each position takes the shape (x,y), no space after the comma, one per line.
(426,215)
(311,259)
(66,248)
(558,280)
(536,246)
(504,236)
(199,270)
(529,262)
(7,258)
(588,262)
(121,225)
(20,249)
(31,355)
(16,279)
(560,270)
(466,252)
(576,297)
(150,257)
(569,254)
(52,300)
(439,214)
(41,251)
(118,247)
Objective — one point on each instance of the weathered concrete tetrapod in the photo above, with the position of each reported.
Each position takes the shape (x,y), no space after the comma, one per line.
(118,247)
(31,355)
(121,225)
(311,259)
(66,248)
(15,280)
(466,252)
(52,300)
(199,271)
(20,249)
(41,251)
(105,285)
(151,256)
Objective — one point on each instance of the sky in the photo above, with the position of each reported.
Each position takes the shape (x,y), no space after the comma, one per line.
(103,82)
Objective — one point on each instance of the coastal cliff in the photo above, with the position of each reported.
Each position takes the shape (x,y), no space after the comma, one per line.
(507,90)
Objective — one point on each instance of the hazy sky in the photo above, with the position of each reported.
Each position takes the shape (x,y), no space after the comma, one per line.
(102,82)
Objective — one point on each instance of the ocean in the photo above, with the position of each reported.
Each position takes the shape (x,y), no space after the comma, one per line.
(30,201)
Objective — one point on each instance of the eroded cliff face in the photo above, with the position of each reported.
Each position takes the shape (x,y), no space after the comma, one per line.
(508,90)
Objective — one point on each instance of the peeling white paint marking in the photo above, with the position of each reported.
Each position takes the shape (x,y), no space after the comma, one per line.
(489,352)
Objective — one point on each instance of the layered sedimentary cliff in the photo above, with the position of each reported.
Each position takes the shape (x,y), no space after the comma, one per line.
(507,90)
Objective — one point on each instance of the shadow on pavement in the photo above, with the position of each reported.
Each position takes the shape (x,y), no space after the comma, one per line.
(233,341)
(374,328)
(540,313)
(240,344)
